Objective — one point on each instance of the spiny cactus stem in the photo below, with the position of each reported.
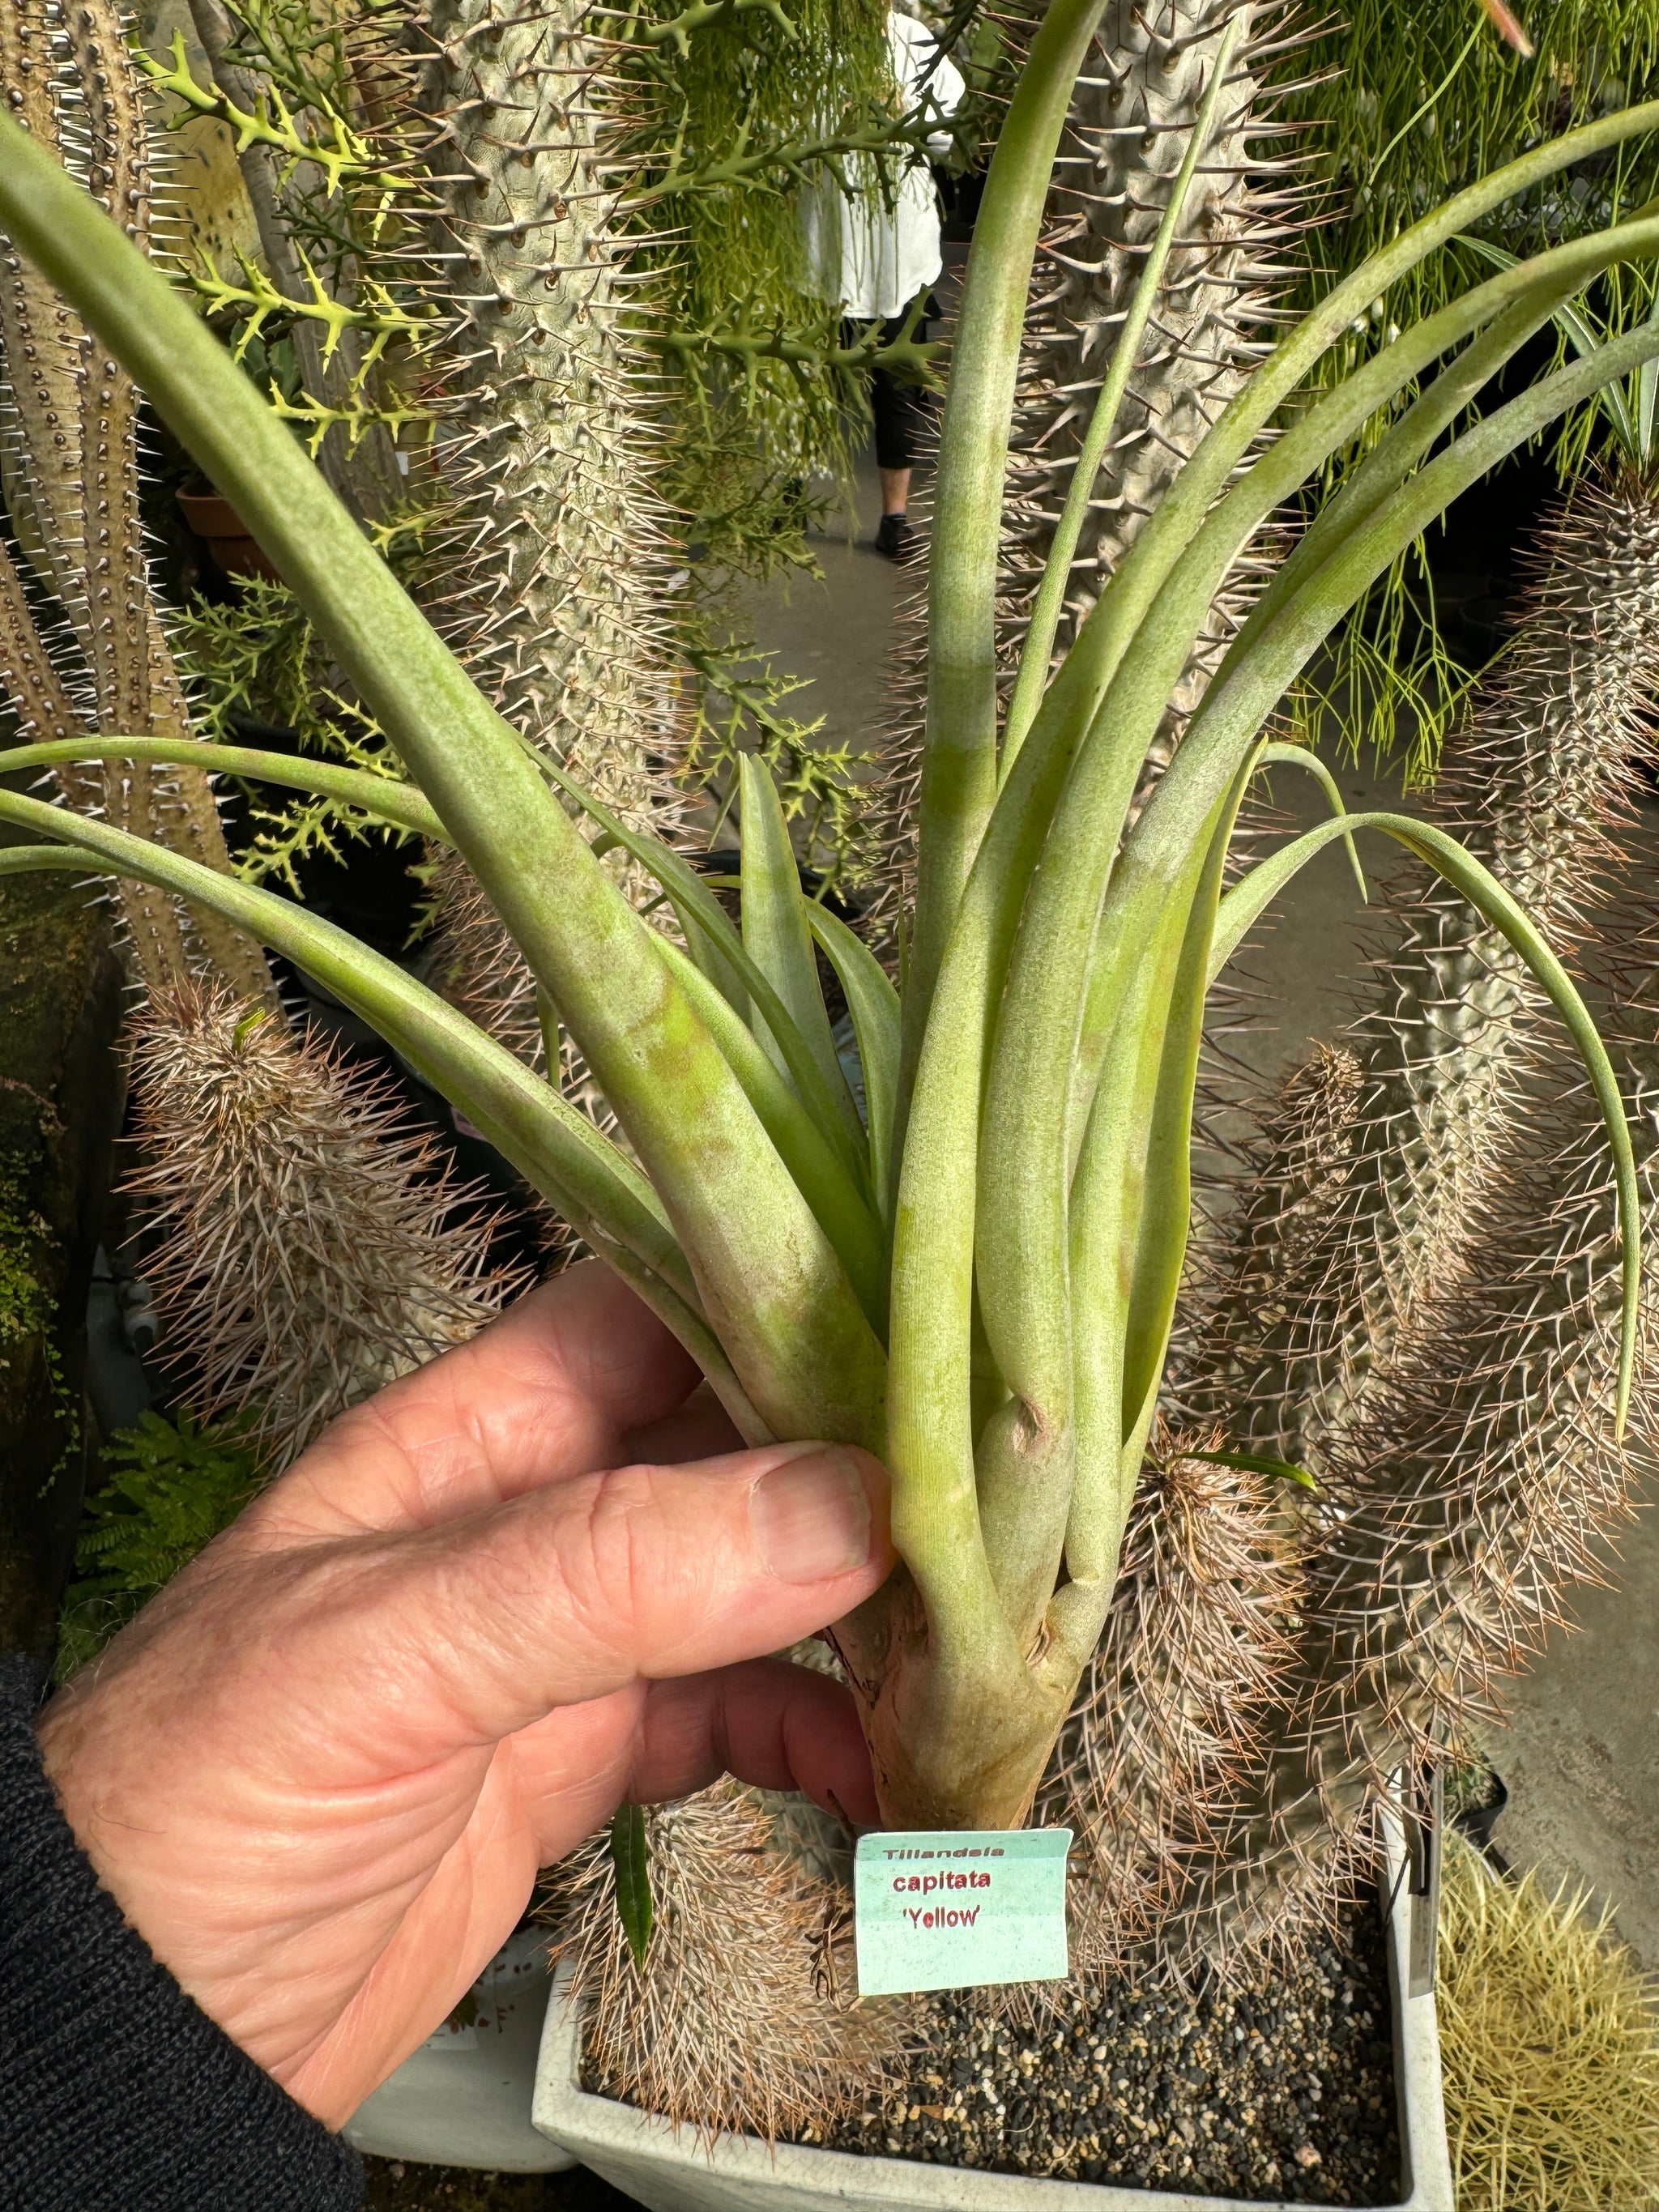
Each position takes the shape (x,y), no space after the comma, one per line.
(1045,615)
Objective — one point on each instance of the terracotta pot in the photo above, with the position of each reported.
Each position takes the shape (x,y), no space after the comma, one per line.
(212,517)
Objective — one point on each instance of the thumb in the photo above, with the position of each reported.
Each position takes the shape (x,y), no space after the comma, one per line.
(637,1573)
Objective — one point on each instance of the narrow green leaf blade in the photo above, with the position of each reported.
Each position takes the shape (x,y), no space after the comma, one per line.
(1487,896)
(1283,1470)
(775,935)
(1309,762)
(819,1173)
(384,797)
(630,1860)
(1583,337)
(1252,895)
(731,968)
(558,1150)
(874,1006)
(23,860)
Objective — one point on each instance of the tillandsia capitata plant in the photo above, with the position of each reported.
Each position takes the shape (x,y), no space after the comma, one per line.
(977,1279)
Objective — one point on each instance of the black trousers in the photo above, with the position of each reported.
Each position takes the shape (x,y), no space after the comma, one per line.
(903,412)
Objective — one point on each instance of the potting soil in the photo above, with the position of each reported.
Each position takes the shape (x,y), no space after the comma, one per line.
(1274,2086)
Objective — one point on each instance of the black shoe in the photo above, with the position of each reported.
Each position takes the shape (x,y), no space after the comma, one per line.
(895,537)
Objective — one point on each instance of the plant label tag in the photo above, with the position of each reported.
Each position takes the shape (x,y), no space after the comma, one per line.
(956,1909)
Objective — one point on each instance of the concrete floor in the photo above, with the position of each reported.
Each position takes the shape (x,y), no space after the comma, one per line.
(836,630)
(1581,1756)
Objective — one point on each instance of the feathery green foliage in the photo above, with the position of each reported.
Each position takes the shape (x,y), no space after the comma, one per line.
(1417,101)
(174,1486)
(257,661)
(782,80)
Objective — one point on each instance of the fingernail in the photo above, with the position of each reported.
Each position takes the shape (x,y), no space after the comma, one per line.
(811,1516)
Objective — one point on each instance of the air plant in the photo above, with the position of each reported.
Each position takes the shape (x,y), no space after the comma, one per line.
(980,1282)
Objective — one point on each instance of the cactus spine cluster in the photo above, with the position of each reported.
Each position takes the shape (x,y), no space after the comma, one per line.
(312,1249)
(745,2016)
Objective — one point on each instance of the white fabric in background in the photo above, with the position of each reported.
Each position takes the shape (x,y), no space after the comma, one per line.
(872,257)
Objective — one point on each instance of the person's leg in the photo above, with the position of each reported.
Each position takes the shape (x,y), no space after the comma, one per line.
(897,409)
(894,489)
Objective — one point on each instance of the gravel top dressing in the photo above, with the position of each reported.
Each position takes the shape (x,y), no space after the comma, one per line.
(1266,2088)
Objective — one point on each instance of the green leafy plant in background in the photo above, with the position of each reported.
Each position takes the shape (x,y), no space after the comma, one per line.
(27,1310)
(981,1283)
(576,394)
(172,1485)
(1406,104)
(256,662)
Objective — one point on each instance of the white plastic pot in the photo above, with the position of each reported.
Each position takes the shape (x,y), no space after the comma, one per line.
(671,2170)
(463,2099)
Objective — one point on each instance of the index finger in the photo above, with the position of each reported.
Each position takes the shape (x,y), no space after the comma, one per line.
(554,1389)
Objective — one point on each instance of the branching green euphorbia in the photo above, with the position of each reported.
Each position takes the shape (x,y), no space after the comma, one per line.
(976,1281)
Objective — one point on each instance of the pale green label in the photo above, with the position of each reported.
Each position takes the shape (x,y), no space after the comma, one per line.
(954,1910)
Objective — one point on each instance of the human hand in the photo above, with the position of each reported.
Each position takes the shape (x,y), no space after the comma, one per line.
(319,1772)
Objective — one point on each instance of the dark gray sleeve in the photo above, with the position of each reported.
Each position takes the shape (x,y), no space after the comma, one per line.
(117,2093)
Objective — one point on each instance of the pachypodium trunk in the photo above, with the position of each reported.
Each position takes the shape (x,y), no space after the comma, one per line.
(1178,1702)
(1132,116)
(312,1247)
(72,493)
(557,584)
(741,2013)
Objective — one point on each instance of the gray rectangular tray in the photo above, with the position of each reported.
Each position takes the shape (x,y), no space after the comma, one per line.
(671,2170)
